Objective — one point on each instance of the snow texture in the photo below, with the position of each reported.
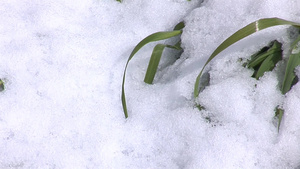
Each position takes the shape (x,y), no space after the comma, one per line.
(62,63)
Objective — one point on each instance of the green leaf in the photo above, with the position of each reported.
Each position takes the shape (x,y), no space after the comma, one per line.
(154,61)
(274,54)
(1,85)
(293,62)
(179,26)
(240,34)
(279,114)
(156,56)
(257,59)
(151,38)
(268,64)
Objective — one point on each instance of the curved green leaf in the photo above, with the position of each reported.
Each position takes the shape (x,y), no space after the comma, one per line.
(240,34)
(293,62)
(151,38)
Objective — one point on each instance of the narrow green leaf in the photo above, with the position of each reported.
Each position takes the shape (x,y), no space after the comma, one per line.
(240,34)
(1,85)
(274,56)
(154,61)
(279,114)
(257,54)
(204,81)
(293,62)
(178,45)
(151,38)
(179,26)
(268,64)
(257,59)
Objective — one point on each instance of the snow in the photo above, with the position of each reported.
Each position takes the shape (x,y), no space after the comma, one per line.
(62,63)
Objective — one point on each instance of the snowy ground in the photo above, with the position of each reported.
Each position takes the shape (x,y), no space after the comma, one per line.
(62,64)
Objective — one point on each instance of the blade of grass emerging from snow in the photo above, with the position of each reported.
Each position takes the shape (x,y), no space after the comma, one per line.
(156,56)
(179,26)
(154,61)
(268,64)
(151,38)
(1,85)
(293,62)
(266,59)
(279,114)
(240,34)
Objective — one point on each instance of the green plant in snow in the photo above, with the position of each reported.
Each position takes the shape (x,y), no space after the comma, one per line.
(264,60)
(155,57)
(294,61)
(1,85)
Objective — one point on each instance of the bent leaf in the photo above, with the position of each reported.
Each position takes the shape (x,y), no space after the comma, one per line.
(151,38)
(240,34)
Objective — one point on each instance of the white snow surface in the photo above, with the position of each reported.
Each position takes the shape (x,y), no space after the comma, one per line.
(62,63)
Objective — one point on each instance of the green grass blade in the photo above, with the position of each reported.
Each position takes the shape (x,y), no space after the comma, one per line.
(1,85)
(274,55)
(151,38)
(293,62)
(257,54)
(268,64)
(279,114)
(179,26)
(154,61)
(261,56)
(240,34)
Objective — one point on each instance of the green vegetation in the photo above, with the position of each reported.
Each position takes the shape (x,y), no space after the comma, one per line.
(266,59)
(294,60)
(261,62)
(241,34)
(155,57)
(1,85)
